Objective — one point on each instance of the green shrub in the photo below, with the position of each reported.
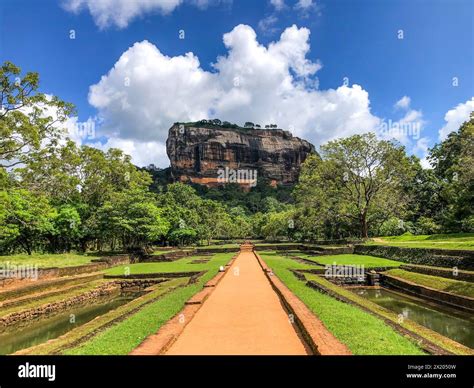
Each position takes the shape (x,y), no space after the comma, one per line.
(427,225)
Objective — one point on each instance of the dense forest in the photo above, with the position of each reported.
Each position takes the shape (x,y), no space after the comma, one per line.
(58,196)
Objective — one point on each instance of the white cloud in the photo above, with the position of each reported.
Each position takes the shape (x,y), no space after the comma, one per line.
(305,5)
(143,153)
(407,130)
(120,12)
(403,103)
(455,117)
(146,91)
(404,130)
(421,149)
(252,82)
(267,24)
(278,4)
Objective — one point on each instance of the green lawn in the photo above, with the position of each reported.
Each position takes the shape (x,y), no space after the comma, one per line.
(362,332)
(350,259)
(181,265)
(157,253)
(47,260)
(438,241)
(126,335)
(277,243)
(214,246)
(443,284)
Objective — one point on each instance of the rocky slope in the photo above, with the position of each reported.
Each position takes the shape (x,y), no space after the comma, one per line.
(212,155)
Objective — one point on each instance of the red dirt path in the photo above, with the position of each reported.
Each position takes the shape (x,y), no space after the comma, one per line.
(243,315)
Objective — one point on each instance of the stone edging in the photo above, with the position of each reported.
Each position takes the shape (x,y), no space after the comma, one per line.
(464,303)
(94,266)
(37,286)
(449,258)
(155,275)
(161,341)
(422,342)
(449,273)
(320,340)
(48,309)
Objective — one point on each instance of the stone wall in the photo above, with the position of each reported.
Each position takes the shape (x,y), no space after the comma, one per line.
(155,275)
(140,284)
(446,298)
(435,257)
(216,250)
(35,286)
(101,292)
(96,265)
(166,256)
(448,273)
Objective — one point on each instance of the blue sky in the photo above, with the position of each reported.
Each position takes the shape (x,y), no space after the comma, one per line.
(333,39)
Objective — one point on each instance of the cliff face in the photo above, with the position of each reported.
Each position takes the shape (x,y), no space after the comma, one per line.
(212,155)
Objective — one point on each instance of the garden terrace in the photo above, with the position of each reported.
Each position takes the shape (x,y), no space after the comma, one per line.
(351,259)
(120,330)
(462,259)
(311,270)
(456,241)
(349,324)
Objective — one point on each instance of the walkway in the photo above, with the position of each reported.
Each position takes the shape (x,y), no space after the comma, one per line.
(243,315)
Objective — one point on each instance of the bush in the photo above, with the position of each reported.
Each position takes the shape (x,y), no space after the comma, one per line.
(467,225)
(392,227)
(182,236)
(426,225)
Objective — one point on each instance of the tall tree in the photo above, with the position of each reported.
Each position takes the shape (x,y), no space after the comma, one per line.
(25,219)
(453,164)
(359,179)
(30,121)
(133,217)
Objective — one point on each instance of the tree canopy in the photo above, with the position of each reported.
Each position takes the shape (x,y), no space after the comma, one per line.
(58,196)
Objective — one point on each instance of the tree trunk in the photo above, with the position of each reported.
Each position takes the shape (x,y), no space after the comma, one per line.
(363,225)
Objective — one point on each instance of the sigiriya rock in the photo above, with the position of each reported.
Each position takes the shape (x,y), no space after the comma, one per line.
(198,152)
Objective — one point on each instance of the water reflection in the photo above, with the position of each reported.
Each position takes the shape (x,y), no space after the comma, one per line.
(43,330)
(451,323)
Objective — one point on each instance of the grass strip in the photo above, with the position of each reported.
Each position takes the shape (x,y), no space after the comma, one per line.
(51,299)
(82,333)
(362,332)
(47,260)
(126,335)
(412,326)
(351,259)
(181,265)
(463,241)
(457,287)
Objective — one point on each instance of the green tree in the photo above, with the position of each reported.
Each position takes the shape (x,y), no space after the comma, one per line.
(66,231)
(83,177)
(30,122)
(214,220)
(133,217)
(182,236)
(279,225)
(26,219)
(453,165)
(358,181)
